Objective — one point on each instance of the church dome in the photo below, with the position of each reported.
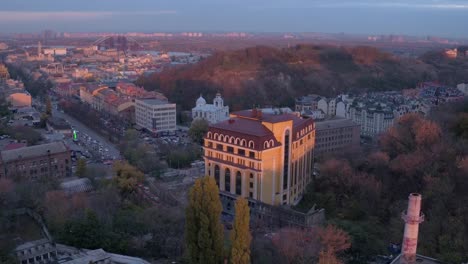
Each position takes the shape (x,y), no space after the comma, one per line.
(201,101)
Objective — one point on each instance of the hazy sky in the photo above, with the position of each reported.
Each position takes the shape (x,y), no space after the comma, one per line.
(413,17)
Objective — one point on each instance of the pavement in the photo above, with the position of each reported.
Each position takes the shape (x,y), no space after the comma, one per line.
(84,130)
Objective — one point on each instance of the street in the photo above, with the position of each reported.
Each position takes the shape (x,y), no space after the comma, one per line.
(84,130)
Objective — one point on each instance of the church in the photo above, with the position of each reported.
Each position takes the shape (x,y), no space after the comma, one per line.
(213,113)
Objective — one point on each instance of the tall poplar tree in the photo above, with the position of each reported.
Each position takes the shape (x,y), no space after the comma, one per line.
(204,232)
(240,235)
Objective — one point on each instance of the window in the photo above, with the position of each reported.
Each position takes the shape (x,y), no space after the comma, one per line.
(251,154)
(230,149)
(238,183)
(251,194)
(241,152)
(251,176)
(219,146)
(286,160)
(251,185)
(216,174)
(227,180)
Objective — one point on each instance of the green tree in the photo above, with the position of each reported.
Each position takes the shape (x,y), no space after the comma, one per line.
(204,232)
(198,130)
(240,235)
(81,168)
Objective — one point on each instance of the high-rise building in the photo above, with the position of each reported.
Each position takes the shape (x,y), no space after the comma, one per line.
(155,115)
(266,157)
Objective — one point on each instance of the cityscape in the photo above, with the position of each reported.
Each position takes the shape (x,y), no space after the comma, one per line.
(172,133)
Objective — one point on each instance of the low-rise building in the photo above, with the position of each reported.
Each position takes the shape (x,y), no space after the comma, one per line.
(336,136)
(155,115)
(36,162)
(19,98)
(58,125)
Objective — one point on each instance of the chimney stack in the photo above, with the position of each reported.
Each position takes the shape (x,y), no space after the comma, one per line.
(412,217)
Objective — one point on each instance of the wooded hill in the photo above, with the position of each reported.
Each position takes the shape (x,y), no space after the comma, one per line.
(268,76)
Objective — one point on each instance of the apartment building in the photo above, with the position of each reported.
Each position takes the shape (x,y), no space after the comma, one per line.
(36,162)
(266,157)
(155,115)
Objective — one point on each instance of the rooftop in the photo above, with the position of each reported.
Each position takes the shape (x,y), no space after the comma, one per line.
(244,126)
(33,151)
(334,123)
(153,101)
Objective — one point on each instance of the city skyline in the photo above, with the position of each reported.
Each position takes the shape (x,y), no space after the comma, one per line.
(443,18)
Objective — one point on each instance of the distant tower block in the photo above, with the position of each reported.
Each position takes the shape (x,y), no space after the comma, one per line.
(412,217)
(39,48)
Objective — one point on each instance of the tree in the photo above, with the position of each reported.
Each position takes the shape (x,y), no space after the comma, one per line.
(204,232)
(240,235)
(48,106)
(198,130)
(81,168)
(297,246)
(127,177)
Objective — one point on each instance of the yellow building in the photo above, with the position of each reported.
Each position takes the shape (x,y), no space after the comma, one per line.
(267,157)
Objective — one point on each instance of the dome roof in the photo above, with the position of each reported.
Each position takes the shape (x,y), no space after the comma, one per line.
(201,101)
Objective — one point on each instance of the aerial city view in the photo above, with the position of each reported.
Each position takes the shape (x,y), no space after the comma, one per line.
(243,132)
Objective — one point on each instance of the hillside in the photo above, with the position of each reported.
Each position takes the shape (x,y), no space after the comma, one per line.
(269,76)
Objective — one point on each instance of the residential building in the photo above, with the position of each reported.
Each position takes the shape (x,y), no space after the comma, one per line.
(36,162)
(308,102)
(155,115)
(336,136)
(213,113)
(372,120)
(266,157)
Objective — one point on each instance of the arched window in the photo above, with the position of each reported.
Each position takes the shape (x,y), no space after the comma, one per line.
(238,183)
(231,140)
(216,136)
(237,142)
(243,143)
(266,145)
(227,180)
(272,143)
(226,138)
(251,144)
(208,135)
(216,174)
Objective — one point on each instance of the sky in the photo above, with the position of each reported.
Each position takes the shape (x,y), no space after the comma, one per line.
(445,18)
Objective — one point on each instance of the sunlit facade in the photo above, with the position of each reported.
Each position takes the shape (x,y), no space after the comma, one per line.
(267,157)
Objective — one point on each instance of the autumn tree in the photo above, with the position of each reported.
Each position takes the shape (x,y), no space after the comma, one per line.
(198,130)
(240,235)
(81,168)
(204,232)
(127,177)
(296,245)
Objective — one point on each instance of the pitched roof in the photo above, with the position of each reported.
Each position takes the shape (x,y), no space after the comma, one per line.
(33,151)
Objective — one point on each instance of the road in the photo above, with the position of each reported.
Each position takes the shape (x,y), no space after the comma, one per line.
(113,151)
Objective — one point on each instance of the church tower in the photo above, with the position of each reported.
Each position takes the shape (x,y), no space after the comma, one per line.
(218,101)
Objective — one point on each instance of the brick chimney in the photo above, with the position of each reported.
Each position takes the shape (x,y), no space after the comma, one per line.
(412,217)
